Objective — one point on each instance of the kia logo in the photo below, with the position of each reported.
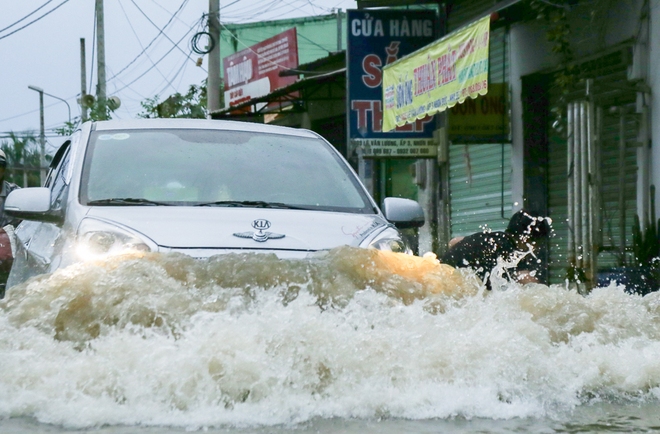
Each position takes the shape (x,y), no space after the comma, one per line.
(261,224)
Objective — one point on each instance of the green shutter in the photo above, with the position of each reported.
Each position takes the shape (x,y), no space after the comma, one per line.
(480,187)
(480,174)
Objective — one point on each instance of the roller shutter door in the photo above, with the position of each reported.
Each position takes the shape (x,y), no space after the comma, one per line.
(480,174)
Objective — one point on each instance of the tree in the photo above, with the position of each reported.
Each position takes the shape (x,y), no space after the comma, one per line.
(23,159)
(97,112)
(190,105)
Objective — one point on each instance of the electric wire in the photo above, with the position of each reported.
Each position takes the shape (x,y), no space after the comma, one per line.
(30,112)
(160,31)
(285,13)
(185,66)
(31,13)
(254,15)
(122,83)
(138,39)
(314,43)
(168,38)
(169,12)
(254,6)
(169,83)
(282,4)
(194,41)
(158,61)
(34,21)
(312,5)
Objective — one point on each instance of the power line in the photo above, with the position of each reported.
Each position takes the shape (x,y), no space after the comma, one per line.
(176,44)
(320,46)
(31,13)
(169,83)
(160,31)
(158,61)
(30,112)
(33,21)
(253,15)
(138,39)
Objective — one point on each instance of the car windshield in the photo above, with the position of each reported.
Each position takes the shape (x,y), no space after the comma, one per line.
(188,167)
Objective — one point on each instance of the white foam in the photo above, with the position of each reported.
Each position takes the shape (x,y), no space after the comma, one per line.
(192,344)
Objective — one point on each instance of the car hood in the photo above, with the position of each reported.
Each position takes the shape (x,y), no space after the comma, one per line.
(234,228)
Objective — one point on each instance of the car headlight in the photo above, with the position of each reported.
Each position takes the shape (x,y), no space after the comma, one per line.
(390,241)
(391,245)
(97,239)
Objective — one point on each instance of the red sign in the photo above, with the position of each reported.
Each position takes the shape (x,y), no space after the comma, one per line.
(254,72)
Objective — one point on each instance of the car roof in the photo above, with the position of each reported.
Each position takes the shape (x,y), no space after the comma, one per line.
(137,124)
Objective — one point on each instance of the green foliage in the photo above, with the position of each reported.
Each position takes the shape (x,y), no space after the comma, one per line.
(645,244)
(190,105)
(23,159)
(97,112)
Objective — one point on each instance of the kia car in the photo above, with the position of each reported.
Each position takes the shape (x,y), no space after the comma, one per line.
(199,187)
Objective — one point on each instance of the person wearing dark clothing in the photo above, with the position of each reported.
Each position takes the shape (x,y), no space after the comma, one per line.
(7,225)
(481,251)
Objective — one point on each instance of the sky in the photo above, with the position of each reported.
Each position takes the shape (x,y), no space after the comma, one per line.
(46,52)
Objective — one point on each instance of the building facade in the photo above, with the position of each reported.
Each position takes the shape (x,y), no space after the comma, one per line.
(576,143)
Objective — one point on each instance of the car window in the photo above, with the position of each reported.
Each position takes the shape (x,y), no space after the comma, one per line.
(55,163)
(188,167)
(57,183)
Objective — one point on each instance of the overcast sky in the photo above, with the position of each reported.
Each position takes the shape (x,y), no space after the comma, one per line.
(46,53)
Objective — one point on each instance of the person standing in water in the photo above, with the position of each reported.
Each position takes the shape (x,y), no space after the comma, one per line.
(525,232)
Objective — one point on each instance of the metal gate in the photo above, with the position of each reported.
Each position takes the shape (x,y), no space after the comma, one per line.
(592,191)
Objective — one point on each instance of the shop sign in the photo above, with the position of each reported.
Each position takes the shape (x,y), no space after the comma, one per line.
(481,120)
(376,38)
(254,72)
(437,77)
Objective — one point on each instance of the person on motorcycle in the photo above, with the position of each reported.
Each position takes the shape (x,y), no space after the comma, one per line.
(525,232)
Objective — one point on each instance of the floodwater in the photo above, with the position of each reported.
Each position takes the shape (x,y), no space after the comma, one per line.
(352,341)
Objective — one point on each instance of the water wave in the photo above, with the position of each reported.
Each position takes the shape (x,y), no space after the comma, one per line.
(245,340)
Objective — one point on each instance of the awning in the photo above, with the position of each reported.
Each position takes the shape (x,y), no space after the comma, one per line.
(292,98)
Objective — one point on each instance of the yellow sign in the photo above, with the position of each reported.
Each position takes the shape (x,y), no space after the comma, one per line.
(438,76)
(481,120)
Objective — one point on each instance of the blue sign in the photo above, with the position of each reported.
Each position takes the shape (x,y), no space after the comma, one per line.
(376,38)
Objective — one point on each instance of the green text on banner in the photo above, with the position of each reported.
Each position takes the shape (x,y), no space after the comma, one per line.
(438,76)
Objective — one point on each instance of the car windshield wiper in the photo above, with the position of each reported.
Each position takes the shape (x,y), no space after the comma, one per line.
(127,201)
(251,204)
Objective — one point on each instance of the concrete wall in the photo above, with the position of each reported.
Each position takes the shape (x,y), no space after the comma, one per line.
(596,25)
(654,83)
(317,36)
(529,52)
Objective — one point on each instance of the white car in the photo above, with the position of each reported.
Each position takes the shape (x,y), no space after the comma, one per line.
(200,187)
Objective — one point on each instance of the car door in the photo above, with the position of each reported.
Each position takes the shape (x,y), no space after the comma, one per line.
(37,241)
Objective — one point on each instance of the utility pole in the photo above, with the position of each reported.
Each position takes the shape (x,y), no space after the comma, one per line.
(83,80)
(42,138)
(339,29)
(100,65)
(213,82)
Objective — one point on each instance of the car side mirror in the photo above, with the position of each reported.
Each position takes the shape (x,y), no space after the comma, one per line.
(403,213)
(32,203)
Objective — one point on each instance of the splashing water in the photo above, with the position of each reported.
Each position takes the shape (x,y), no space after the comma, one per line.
(252,340)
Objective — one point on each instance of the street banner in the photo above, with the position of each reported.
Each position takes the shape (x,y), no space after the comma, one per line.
(254,71)
(438,76)
(376,38)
